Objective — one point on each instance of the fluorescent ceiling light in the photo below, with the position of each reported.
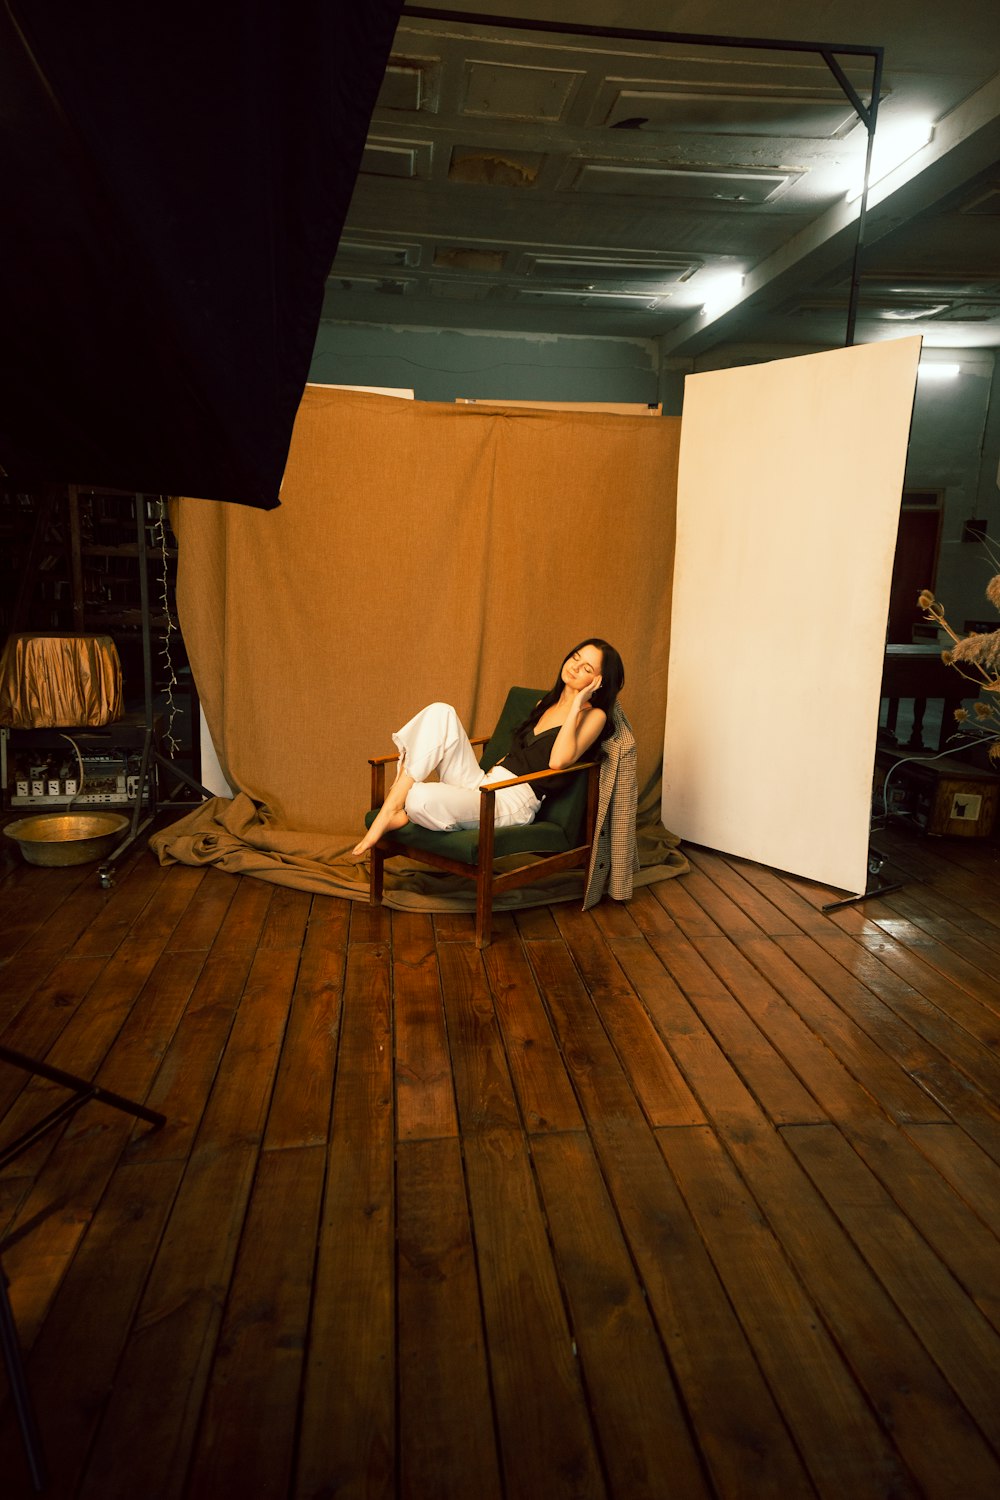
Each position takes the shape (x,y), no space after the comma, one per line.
(914,314)
(895,142)
(938,371)
(720,293)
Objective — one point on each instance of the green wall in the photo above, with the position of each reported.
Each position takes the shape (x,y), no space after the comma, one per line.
(440,365)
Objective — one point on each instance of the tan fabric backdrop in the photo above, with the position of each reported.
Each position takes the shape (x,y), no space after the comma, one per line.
(422,551)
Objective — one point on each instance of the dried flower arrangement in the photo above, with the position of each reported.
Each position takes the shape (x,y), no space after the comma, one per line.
(977,657)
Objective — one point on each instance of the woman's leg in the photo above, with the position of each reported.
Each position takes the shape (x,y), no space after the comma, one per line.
(390,815)
(442,807)
(433,740)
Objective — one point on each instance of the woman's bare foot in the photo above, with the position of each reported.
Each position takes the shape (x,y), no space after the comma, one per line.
(390,815)
(396,820)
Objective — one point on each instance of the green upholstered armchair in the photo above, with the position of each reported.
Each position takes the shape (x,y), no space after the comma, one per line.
(561,837)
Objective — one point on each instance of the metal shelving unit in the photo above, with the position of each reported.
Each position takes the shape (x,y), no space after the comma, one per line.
(101,548)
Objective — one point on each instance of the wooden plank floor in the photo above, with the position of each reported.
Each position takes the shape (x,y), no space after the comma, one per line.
(698,1196)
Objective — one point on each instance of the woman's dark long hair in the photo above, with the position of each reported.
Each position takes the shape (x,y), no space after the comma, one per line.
(612,681)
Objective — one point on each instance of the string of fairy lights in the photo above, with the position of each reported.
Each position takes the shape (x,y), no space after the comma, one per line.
(172,707)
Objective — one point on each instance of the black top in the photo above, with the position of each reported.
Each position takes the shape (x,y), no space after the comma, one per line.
(530,752)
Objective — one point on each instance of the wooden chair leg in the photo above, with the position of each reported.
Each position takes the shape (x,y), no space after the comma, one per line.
(484,906)
(484,872)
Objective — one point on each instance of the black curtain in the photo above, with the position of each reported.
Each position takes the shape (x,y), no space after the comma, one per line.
(174,179)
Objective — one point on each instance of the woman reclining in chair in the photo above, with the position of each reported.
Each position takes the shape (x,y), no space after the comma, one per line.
(562,727)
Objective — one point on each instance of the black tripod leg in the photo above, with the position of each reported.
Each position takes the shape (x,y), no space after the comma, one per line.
(80,1086)
(868,895)
(881,888)
(175,771)
(82,1093)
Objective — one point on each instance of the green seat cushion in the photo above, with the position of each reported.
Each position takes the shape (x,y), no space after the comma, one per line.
(462,844)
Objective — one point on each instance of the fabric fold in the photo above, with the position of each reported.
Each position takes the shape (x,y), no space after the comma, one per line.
(242,837)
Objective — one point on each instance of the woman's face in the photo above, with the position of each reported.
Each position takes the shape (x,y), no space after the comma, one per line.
(580,669)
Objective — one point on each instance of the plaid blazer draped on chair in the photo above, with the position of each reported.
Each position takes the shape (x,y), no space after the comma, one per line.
(615,856)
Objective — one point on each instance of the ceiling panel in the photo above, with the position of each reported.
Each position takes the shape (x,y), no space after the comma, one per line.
(387,158)
(410,83)
(522,175)
(485,168)
(516,91)
(681,111)
(581,297)
(718,185)
(632,269)
(364,255)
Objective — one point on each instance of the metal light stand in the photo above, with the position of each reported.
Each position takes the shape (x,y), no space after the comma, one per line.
(152,758)
(876,859)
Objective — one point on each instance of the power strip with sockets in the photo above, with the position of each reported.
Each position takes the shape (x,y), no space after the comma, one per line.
(88,799)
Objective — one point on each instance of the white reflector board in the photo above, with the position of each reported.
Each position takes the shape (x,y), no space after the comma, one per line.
(788,499)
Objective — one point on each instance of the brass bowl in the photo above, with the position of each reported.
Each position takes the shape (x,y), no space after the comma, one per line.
(67,838)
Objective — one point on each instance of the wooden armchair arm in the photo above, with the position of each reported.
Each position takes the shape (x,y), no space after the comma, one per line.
(497,786)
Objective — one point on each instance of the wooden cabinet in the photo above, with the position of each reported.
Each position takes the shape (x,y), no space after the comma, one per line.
(944,798)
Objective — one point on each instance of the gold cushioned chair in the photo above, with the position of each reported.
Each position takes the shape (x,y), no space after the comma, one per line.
(562,836)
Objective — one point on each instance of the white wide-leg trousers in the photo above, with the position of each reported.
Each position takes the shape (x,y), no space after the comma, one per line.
(434,740)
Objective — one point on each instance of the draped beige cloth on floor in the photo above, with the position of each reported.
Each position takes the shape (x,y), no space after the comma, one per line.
(421,552)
